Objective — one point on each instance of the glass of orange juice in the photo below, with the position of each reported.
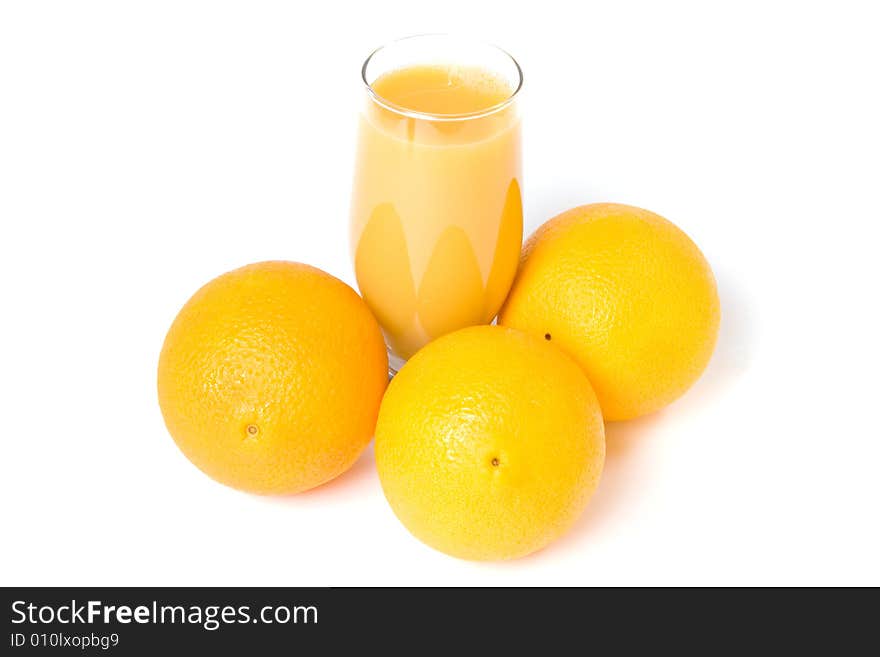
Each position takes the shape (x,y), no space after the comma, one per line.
(436,214)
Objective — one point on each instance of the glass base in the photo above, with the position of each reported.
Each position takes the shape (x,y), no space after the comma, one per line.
(395,362)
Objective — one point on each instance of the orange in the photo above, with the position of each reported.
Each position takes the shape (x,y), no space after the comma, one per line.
(628,295)
(270,377)
(489,443)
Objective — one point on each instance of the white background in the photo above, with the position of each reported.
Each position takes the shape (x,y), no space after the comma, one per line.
(147,147)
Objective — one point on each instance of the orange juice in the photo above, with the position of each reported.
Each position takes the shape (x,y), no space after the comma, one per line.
(436,211)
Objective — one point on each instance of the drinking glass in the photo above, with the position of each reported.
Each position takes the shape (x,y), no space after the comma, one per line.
(436,213)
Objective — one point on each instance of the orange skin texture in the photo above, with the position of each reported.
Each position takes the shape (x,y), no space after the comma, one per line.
(271,376)
(628,295)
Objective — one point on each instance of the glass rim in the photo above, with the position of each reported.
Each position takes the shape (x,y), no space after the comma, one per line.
(428,116)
